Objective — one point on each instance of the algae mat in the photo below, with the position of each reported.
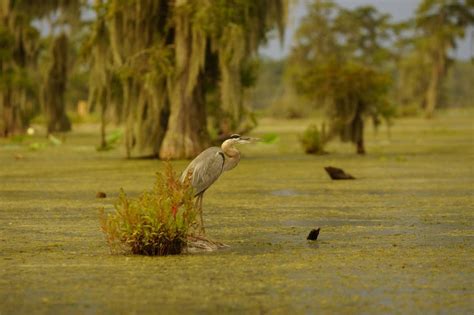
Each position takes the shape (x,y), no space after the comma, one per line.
(399,239)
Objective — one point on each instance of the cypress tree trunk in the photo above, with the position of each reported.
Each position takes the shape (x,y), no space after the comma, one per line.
(103,121)
(10,115)
(158,51)
(134,55)
(432,93)
(187,132)
(360,146)
(353,130)
(55,88)
(147,113)
(358,133)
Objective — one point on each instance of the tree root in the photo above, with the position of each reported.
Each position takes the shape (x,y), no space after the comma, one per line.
(200,243)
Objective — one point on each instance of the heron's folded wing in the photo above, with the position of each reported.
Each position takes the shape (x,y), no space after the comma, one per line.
(207,170)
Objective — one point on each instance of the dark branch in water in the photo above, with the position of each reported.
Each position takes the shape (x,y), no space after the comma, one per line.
(337,173)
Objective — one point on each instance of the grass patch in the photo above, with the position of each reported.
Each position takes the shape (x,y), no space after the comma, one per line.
(313,140)
(158,222)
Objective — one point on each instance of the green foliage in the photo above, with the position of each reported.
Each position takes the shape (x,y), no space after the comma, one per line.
(18,58)
(22,57)
(54,140)
(172,59)
(111,140)
(425,62)
(313,140)
(339,61)
(35,146)
(330,32)
(158,222)
(270,138)
(458,84)
(7,40)
(412,82)
(249,72)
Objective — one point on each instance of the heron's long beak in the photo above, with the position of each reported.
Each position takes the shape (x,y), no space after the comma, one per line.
(248,140)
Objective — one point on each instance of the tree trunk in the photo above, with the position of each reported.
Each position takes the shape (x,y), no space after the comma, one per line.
(432,93)
(187,132)
(147,112)
(10,115)
(353,132)
(55,88)
(358,130)
(361,146)
(103,121)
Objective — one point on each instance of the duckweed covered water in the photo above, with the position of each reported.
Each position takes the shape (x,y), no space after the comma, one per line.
(399,239)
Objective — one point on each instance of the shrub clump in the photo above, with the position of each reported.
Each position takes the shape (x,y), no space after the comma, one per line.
(158,222)
(313,140)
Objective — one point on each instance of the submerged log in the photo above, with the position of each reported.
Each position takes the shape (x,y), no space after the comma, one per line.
(199,243)
(101,194)
(337,173)
(313,235)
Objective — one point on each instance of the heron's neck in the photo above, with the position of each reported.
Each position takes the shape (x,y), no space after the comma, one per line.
(229,149)
(232,155)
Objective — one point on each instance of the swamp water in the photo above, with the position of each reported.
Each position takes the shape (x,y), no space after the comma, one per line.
(399,239)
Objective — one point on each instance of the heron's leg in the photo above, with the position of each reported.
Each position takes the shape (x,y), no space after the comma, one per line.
(196,202)
(200,213)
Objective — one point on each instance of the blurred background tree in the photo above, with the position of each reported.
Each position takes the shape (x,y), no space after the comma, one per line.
(54,88)
(19,50)
(440,23)
(34,73)
(432,35)
(178,75)
(62,18)
(159,63)
(339,61)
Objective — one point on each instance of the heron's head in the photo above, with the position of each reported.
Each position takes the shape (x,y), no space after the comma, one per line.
(238,139)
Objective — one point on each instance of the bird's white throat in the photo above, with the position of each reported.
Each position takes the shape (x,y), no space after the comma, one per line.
(229,149)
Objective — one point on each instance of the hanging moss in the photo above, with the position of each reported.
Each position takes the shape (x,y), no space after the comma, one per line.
(159,50)
(131,63)
(345,70)
(18,57)
(20,77)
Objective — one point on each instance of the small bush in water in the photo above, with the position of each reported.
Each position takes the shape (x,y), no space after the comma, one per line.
(158,222)
(313,140)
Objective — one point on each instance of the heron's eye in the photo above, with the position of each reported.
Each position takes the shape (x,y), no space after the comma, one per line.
(235,136)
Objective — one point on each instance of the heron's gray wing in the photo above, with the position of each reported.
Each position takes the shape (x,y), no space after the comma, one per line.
(206,169)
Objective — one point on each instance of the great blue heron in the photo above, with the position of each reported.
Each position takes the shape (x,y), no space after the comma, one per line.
(206,168)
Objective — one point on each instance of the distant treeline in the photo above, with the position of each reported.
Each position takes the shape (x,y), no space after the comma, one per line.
(458,88)
(268,95)
(180,74)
